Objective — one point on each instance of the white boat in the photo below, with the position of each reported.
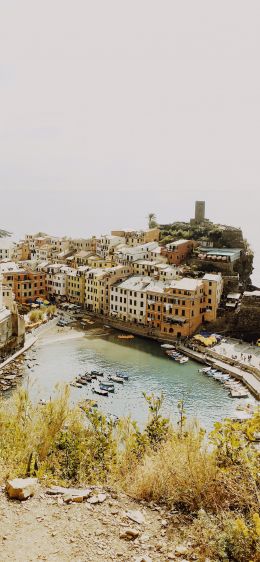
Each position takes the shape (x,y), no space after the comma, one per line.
(167,346)
(183,360)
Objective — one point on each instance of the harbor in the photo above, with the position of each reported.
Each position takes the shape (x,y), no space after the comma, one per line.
(65,355)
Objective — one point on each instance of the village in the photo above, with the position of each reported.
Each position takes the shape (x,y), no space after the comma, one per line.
(131,278)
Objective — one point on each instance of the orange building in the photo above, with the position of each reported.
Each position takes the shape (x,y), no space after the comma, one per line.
(29,285)
(177,252)
(177,309)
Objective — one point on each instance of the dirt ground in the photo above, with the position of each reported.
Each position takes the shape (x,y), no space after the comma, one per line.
(45,528)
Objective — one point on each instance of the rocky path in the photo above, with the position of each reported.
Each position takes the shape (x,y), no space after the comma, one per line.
(102,527)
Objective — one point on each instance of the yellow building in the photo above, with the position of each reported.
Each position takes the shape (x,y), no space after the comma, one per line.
(213,288)
(75,285)
(135,237)
(98,285)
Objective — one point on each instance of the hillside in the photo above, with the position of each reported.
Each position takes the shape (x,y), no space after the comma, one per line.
(195,498)
(220,236)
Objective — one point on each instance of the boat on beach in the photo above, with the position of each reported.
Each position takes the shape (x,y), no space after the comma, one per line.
(109,387)
(100,391)
(96,373)
(116,378)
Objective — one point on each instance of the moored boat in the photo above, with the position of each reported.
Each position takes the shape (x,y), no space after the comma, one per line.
(109,387)
(116,378)
(100,391)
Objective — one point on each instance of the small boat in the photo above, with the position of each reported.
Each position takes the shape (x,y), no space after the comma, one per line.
(123,337)
(97,373)
(100,391)
(183,360)
(123,376)
(108,387)
(167,346)
(115,378)
(238,393)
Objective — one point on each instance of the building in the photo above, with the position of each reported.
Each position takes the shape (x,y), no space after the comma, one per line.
(7,248)
(129,254)
(177,252)
(12,327)
(128,299)
(84,244)
(75,284)
(99,283)
(199,213)
(26,284)
(213,289)
(56,282)
(251,299)
(106,245)
(177,307)
(217,259)
(157,270)
(135,237)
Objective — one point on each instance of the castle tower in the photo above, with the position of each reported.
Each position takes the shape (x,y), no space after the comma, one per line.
(199,211)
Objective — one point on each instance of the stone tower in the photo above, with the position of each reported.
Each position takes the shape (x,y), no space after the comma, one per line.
(199,211)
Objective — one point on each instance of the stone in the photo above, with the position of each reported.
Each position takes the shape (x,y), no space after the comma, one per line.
(171,556)
(136,516)
(143,559)
(114,511)
(93,500)
(75,499)
(129,534)
(102,498)
(21,488)
(74,492)
(181,550)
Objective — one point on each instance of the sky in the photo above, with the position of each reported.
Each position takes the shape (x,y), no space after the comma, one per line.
(113,109)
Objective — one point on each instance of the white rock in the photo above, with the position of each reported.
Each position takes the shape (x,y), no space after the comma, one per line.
(21,488)
(74,492)
(181,549)
(102,498)
(93,500)
(143,559)
(136,516)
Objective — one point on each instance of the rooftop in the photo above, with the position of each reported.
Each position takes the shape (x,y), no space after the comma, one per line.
(212,277)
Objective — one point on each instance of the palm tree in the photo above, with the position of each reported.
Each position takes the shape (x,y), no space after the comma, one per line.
(4,233)
(152,220)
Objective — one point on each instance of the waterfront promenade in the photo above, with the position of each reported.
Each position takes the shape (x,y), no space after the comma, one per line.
(249,379)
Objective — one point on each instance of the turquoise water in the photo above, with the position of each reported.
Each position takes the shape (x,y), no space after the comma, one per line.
(149,369)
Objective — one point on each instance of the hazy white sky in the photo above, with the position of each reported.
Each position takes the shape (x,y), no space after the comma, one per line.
(112,108)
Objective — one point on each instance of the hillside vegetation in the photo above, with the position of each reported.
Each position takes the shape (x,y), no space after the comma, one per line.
(213,483)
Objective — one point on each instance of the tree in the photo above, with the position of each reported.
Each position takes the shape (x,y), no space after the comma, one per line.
(152,223)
